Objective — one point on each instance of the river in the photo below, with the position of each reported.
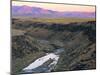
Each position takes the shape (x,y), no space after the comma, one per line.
(43,64)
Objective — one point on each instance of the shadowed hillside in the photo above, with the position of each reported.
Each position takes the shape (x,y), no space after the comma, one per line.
(31,40)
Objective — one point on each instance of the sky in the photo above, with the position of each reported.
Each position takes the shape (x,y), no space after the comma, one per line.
(57,7)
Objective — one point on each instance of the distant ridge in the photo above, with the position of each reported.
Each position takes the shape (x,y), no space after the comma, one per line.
(37,12)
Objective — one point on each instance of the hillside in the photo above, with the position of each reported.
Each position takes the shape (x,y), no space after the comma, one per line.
(33,39)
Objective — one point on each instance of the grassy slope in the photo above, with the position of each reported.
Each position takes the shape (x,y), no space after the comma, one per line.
(56,20)
(17,32)
(64,20)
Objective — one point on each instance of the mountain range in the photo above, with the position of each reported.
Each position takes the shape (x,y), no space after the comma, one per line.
(37,12)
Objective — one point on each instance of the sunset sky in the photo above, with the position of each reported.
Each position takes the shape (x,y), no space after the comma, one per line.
(57,7)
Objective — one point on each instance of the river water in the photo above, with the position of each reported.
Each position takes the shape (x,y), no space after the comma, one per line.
(38,65)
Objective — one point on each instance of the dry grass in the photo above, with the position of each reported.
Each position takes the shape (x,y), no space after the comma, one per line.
(56,20)
(64,20)
(17,32)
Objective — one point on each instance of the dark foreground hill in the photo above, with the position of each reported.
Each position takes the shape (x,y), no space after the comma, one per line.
(31,40)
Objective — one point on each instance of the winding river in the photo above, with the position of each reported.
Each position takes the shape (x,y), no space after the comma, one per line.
(43,64)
